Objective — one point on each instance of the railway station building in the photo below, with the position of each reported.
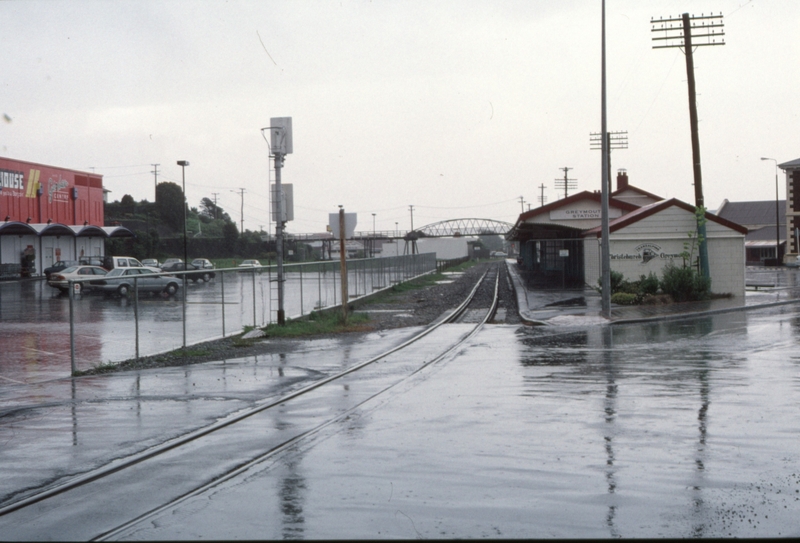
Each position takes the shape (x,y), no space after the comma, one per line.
(559,243)
(48,214)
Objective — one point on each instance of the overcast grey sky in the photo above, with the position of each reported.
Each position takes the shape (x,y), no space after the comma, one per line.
(455,107)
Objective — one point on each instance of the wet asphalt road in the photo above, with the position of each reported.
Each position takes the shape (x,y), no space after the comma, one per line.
(675,429)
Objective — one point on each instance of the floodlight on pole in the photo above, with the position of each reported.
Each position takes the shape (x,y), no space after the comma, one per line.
(777,214)
(280,144)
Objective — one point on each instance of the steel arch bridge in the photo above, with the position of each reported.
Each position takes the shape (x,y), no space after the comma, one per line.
(464,227)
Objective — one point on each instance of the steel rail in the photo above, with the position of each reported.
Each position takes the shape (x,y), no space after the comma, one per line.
(235,472)
(156,450)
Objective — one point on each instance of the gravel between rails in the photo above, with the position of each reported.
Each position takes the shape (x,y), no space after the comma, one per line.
(416,307)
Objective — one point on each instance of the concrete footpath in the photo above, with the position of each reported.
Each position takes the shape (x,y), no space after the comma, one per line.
(766,287)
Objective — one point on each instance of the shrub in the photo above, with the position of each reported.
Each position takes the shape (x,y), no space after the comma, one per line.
(618,282)
(624,298)
(685,284)
(649,284)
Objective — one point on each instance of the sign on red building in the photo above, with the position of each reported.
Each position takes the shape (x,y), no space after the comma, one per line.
(37,193)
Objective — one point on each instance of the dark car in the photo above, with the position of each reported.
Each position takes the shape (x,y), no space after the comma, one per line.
(194,273)
(59,266)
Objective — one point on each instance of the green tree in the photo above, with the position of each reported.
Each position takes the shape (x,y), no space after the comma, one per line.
(211,210)
(170,205)
(230,234)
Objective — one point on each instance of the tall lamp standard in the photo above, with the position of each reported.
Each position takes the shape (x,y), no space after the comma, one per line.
(777,214)
(183,164)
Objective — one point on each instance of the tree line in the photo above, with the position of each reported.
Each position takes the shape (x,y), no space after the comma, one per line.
(158,228)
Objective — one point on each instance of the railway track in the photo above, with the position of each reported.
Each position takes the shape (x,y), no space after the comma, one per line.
(123,492)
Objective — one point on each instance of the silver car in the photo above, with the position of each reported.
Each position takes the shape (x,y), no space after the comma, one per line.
(123,281)
(61,280)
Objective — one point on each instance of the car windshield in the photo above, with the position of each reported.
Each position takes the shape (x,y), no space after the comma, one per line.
(71,269)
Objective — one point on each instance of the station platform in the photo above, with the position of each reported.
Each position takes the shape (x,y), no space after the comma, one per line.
(765,287)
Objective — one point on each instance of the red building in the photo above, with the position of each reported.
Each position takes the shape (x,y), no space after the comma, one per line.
(49,214)
(36,193)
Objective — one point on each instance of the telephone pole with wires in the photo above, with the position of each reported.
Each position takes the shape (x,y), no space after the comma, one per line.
(155,173)
(614,140)
(681,32)
(241,219)
(566,183)
(542,198)
(215,194)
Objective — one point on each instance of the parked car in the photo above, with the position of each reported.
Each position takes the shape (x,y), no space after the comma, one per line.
(203,264)
(121,281)
(793,263)
(250,264)
(112,262)
(194,273)
(58,266)
(169,261)
(60,280)
(91,261)
(151,263)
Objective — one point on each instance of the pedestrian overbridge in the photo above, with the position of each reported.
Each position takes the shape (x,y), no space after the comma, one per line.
(462,227)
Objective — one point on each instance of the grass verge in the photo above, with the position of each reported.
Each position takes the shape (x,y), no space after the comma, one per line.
(320,323)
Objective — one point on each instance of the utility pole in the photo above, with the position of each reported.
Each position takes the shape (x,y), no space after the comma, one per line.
(566,183)
(614,140)
(155,172)
(215,194)
(672,34)
(521,205)
(241,212)
(343,263)
(411,233)
(542,198)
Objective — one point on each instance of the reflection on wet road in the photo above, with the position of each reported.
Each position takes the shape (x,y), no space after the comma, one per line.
(676,429)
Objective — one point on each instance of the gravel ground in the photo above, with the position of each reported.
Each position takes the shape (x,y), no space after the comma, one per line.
(417,307)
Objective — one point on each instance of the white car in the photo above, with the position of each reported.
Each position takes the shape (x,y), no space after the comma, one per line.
(202,264)
(250,264)
(60,280)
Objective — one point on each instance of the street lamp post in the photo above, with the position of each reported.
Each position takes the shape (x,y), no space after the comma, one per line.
(183,164)
(777,215)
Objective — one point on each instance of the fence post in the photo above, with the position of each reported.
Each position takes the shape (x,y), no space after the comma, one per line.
(222,285)
(302,312)
(254,296)
(184,306)
(72,326)
(136,312)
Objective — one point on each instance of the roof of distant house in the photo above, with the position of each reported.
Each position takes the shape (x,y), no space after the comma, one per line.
(753,214)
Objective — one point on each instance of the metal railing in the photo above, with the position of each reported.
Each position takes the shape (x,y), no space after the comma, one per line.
(237,298)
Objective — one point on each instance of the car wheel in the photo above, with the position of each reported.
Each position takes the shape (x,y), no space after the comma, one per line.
(206,277)
(171,289)
(123,290)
